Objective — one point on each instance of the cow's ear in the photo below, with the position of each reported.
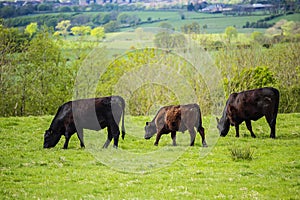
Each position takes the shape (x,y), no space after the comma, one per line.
(147,123)
(218,120)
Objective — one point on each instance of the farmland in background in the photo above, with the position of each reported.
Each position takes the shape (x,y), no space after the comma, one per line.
(214,23)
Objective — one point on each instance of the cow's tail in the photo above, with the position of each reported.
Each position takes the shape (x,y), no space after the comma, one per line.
(123,114)
(200,128)
(276,105)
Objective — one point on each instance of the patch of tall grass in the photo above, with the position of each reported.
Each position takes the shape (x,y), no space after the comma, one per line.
(241,153)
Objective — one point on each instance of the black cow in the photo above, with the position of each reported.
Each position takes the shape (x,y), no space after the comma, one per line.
(250,105)
(93,114)
(176,118)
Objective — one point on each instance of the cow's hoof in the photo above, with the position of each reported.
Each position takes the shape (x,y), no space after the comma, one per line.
(155,144)
(272,136)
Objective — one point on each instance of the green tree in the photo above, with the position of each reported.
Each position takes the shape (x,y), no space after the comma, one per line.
(44,7)
(31,29)
(40,72)
(63,27)
(163,40)
(97,19)
(154,66)
(251,78)
(260,38)
(7,11)
(166,25)
(98,32)
(105,18)
(290,28)
(191,28)
(65,9)
(12,44)
(169,41)
(124,18)
(231,32)
(112,26)
(81,30)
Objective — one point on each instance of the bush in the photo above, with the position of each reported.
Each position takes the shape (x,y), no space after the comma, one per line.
(250,78)
(65,9)
(254,67)
(158,87)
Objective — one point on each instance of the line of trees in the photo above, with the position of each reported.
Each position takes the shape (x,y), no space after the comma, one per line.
(35,76)
(8,11)
(38,70)
(112,21)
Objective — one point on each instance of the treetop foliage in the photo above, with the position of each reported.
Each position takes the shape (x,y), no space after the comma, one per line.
(38,71)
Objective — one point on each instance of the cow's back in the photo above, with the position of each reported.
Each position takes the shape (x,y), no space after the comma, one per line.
(63,113)
(190,115)
(90,113)
(251,104)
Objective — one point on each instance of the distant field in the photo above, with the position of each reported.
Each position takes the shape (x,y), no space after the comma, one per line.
(139,170)
(216,23)
(293,17)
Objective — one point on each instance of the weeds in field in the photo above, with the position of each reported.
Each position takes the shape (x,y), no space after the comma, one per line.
(241,153)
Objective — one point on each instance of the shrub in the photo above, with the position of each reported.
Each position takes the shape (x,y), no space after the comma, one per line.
(250,78)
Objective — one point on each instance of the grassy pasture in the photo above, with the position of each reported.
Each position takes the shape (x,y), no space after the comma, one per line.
(216,23)
(30,172)
(294,17)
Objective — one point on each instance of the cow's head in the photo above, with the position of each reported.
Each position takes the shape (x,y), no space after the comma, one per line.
(51,138)
(223,125)
(150,130)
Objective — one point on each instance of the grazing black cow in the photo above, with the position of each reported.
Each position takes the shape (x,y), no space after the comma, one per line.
(250,105)
(93,114)
(176,118)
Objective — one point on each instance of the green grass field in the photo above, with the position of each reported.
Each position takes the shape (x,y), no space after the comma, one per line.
(139,170)
(216,23)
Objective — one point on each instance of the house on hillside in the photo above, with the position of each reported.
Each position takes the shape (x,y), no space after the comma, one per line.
(21,3)
(215,8)
(248,8)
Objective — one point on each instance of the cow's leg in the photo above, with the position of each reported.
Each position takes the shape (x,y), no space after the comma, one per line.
(201,132)
(158,135)
(249,127)
(173,136)
(272,123)
(109,137)
(80,137)
(116,134)
(193,136)
(237,131)
(68,136)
